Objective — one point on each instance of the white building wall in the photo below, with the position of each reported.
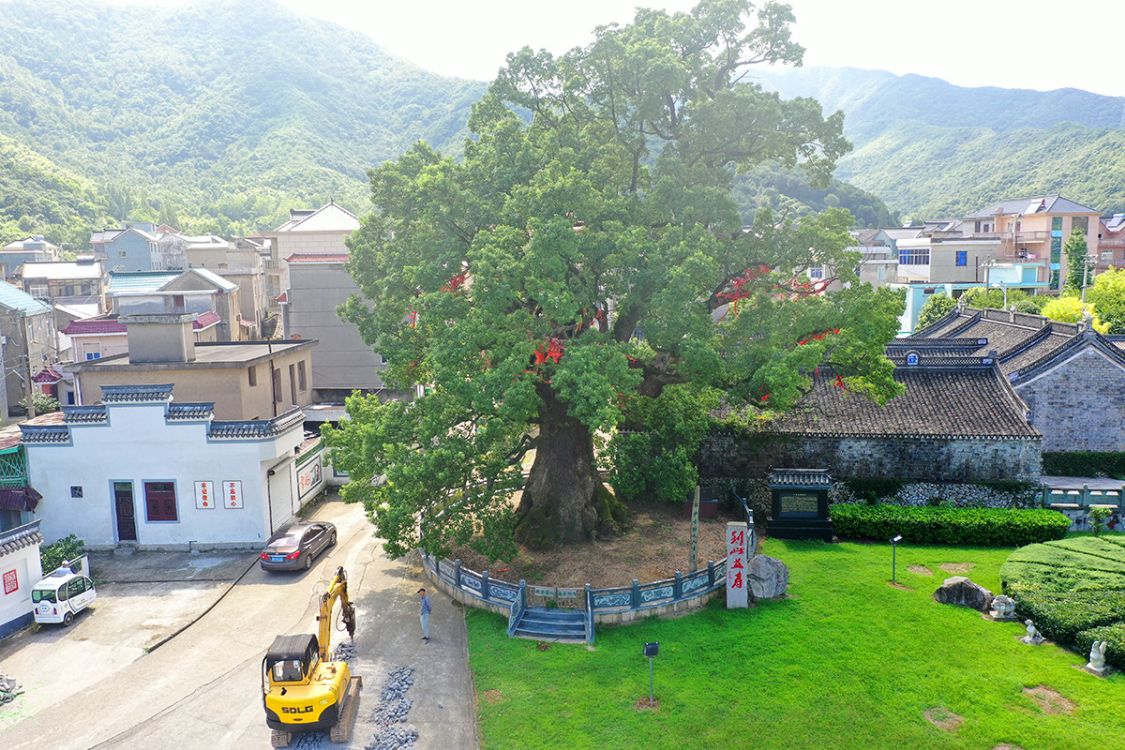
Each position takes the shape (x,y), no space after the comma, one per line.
(138,445)
(15,605)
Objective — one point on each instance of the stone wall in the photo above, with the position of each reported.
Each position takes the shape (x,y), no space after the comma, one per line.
(725,455)
(1078,406)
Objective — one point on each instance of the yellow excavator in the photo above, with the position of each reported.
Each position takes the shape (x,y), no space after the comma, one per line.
(301,689)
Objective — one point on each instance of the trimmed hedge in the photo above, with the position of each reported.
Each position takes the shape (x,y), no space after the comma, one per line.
(1084,464)
(1002,527)
(1074,591)
(1113,635)
(1063,615)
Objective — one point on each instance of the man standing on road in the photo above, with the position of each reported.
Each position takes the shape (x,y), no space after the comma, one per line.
(424,614)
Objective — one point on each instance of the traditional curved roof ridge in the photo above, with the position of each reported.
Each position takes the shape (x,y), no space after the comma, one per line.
(1087,338)
(132,394)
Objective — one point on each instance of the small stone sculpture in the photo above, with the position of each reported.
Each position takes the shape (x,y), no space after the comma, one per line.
(1003,608)
(1096,664)
(1033,637)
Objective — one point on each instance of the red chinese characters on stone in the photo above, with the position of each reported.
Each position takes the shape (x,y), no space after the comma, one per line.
(737,582)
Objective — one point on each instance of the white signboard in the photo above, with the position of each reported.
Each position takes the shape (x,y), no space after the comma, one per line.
(738,539)
(310,477)
(232,494)
(205,495)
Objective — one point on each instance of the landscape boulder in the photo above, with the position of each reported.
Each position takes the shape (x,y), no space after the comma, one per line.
(768,577)
(960,590)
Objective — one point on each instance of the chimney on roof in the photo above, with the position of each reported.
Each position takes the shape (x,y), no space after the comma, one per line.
(160,337)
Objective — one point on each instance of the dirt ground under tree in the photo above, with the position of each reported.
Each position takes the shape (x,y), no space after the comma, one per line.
(656,544)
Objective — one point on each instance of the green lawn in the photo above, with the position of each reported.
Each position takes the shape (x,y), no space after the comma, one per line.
(845,662)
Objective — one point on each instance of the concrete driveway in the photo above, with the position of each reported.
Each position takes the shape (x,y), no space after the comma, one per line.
(142,601)
(202,688)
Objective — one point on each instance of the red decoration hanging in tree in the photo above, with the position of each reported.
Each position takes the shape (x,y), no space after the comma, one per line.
(553,351)
(456,282)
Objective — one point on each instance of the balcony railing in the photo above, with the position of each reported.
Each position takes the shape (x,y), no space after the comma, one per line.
(13,468)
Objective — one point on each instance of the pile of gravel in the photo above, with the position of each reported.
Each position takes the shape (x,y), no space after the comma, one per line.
(391,730)
(9,689)
(345,651)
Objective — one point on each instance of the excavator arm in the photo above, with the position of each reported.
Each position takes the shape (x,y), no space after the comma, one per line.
(337,589)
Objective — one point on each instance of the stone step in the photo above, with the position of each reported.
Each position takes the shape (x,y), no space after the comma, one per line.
(547,635)
(555,615)
(560,627)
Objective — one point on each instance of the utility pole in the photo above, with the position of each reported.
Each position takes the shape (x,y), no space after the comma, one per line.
(694,532)
(1087,264)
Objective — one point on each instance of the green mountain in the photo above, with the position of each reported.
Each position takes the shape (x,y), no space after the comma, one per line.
(227,113)
(929,148)
(221,116)
(38,196)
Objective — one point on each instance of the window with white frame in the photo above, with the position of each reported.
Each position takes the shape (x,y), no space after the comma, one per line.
(914,256)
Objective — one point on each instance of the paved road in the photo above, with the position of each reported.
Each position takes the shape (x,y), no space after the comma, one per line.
(202,689)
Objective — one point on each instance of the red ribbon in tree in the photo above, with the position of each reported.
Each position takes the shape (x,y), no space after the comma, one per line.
(456,282)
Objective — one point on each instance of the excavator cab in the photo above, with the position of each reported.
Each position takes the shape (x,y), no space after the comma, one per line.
(302,690)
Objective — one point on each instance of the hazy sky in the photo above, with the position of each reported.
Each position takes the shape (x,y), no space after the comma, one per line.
(1039,44)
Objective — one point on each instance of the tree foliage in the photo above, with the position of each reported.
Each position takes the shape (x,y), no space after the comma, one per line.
(937,307)
(585,256)
(995,298)
(1070,309)
(1076,271)
(1107,294)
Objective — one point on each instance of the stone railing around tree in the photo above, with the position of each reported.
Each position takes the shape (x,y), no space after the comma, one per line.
(612,605)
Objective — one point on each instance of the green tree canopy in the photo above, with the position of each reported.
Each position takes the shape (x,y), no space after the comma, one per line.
(1075,249)
(1070,309)
(1107,294)
(586,252)
(937,307)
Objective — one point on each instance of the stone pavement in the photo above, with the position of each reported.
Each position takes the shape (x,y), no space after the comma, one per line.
(202,688)
(142,600)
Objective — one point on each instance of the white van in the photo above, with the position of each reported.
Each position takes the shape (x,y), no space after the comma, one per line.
(61,595)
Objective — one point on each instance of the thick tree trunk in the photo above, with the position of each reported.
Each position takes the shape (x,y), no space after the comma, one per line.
(564,501)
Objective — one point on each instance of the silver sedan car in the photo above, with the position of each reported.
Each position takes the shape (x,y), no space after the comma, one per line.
(295,547)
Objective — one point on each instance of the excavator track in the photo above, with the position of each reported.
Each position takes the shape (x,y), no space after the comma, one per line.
(279,738)
(342,729)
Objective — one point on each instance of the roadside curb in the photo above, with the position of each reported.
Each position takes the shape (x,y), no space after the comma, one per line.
(201,615)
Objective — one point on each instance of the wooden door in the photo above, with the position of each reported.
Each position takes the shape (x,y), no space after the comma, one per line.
(126,512)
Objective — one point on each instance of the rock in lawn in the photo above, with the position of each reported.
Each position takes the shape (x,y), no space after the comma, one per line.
(768,577)
(960,590)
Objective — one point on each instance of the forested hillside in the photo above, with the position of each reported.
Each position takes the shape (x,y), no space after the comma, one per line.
(929,148)
(222,115)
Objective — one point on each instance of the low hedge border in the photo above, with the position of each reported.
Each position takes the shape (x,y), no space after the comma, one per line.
(1113,635)
(1000,527)
(1084,464)
(1063,615)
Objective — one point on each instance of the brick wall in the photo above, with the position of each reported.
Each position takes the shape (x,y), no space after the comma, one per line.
(725,455)
(1078,406)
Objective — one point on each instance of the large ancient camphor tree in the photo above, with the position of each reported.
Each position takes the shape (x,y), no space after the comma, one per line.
(585,253)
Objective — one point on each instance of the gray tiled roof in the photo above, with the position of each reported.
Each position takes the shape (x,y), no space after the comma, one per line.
(1020,340)
(1049,204)
(93,414)
(938,402)
(800,478)
(189,412)
(45,433)
(19,538)
(131,394)
(255,428)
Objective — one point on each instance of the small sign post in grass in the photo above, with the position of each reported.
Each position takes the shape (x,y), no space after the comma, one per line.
(651,650)
(894,558)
